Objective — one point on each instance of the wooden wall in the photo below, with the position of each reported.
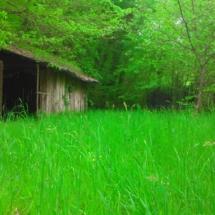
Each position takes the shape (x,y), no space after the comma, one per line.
(49,94)
(1,85)
(53,91)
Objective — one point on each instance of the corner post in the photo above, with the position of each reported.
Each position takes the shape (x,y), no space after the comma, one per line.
(37,87)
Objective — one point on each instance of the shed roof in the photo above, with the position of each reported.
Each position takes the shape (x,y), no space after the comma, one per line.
(51,60)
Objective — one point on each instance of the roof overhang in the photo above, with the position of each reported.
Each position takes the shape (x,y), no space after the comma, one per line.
(50,63)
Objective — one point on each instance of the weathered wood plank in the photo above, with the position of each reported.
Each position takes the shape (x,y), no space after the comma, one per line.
(43,96)
(50,91)
(54,87)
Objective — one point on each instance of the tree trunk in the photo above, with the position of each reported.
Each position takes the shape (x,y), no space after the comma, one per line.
(173,88)
(201,84)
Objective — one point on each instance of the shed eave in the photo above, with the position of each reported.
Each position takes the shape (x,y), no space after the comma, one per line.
(31,56)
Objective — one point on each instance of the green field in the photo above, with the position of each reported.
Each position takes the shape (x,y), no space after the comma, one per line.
(108,162)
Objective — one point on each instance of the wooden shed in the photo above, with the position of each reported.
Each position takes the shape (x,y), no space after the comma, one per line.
(33,82)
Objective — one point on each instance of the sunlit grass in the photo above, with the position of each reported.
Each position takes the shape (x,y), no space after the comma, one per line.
(108,163)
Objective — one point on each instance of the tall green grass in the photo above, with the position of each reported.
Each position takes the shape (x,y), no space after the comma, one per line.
(108,163)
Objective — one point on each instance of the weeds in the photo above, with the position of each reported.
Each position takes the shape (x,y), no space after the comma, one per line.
(109,162)
(19,111)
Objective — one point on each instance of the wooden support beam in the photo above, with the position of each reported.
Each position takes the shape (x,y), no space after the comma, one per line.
(37,87)
(43,93)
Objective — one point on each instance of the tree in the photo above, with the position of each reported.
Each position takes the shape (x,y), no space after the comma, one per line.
(148,61)
(200,31)
(190,24)
(61,27)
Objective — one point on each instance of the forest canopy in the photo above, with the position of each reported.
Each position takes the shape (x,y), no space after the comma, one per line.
(152,53)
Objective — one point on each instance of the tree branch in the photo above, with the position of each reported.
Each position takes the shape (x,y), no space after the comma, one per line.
(211,56)
(18,12)
(193,49)
(184,46)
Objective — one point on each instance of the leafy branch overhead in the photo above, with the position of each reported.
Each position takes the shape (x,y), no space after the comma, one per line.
(57,25)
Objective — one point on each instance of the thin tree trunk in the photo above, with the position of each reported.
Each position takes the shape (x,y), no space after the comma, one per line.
(201,85)
(173,88)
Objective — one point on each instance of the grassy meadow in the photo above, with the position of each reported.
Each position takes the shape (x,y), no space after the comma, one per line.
(108,163)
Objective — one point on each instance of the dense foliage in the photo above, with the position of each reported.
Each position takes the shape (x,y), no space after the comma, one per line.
(151,53)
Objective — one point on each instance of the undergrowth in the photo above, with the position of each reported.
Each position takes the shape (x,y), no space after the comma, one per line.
(108,163)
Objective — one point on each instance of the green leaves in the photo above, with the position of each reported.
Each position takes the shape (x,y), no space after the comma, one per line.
(133,47)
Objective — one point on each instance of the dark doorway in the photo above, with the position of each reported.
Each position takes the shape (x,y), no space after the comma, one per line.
(19,83)
(19,90)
